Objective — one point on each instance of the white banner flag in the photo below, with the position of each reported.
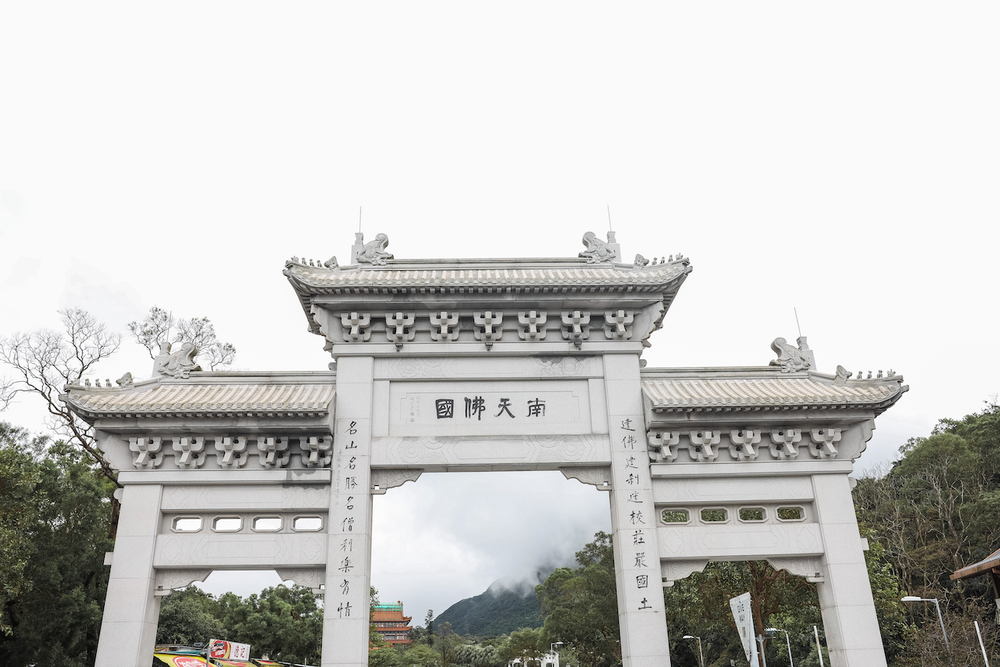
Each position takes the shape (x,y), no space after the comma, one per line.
(744,623)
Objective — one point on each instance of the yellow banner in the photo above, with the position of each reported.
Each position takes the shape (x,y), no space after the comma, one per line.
(180,660)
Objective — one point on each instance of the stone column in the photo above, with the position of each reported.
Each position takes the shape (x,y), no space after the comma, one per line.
(348,561)
(633,520)
(131,611)
(845,597)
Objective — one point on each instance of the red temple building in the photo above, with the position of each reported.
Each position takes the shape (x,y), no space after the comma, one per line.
(391,624)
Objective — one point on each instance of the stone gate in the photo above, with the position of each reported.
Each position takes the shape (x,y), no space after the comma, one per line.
(486,364)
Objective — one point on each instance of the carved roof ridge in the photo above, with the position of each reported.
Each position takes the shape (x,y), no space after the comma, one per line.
(396,264)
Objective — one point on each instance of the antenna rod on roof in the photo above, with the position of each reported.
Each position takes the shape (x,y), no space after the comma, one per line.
(359,219)
(796,311)
(610,228)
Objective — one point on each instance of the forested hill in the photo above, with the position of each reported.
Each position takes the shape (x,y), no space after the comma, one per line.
(498,611)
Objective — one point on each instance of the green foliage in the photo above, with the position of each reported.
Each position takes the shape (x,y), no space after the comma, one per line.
(281,622)
(494,612)
(19,476)
(524,644)
(420,654)
(581,606)
(54,606)
(933,513)
(189,616)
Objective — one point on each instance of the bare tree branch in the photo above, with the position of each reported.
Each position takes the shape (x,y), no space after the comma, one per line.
(45,361)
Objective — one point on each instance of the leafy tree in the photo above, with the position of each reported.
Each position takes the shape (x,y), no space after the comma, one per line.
(581,606)
(281,622)
(189,616)
(523,645)
(55,621)
(420,654)
(447,643)
(155,329)
(19,476)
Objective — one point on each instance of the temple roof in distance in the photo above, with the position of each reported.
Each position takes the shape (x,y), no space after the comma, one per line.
(988,564)
(764,388)
(231,394)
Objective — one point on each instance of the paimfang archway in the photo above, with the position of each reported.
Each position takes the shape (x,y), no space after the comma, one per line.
(522,364)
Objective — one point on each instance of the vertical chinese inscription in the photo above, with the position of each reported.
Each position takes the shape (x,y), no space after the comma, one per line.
(349,517)
(635,514)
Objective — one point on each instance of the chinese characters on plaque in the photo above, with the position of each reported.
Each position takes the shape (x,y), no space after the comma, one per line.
(475,406)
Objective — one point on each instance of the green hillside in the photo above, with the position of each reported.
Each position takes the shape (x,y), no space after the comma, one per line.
(497,611)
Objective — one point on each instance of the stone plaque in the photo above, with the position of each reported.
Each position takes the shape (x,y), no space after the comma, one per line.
(489,408)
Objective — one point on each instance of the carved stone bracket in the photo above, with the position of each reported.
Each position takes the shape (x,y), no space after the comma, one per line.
(398,328)
(489,327)
(532,325)
(744,444)
(384,479)
(148,450)
(317,452)
(662,445)
(675,570)
(273,452)
(704,442)
(313,577)
(356,326)
(168,580)
(599,476)
(189,451)
(231,451)
(575,326)
(445,326)
(783,442)
(810,568)
(616,324)
(823,442)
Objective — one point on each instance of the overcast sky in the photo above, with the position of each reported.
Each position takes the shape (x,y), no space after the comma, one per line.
(838,158)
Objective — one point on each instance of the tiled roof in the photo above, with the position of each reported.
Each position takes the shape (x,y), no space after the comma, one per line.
(206,396)
(475,276)
(765,390)
(987,564)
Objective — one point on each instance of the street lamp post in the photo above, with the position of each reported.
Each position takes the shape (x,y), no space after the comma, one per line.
(763,658)
(552,649)
(914,598)
(701,655)
(788,642)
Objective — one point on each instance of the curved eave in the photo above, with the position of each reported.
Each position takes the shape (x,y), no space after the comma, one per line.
(764,390)
(92,416)
(877,408)
(209,396)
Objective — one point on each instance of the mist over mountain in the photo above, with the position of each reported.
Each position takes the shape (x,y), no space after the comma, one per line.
(508,604)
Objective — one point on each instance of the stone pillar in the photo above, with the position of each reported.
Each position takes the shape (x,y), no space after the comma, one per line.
(348,561)
(845,597)
(633,520)
(131,611)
